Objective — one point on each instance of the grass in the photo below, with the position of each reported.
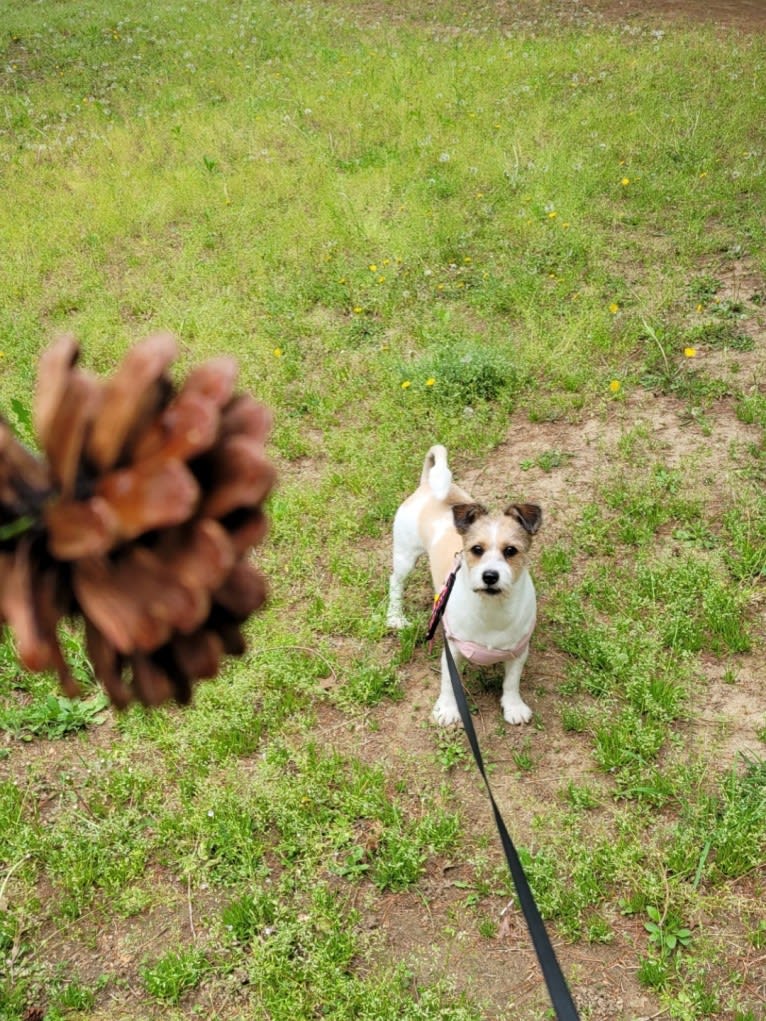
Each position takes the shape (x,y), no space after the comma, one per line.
(433,226)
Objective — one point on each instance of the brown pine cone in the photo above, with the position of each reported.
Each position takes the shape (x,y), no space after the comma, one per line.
(139,519)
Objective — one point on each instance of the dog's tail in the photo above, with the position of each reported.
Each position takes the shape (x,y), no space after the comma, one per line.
(436,474)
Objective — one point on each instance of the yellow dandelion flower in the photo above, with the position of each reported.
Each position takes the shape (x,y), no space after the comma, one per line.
(373,268)
(625,182)
(614,308)
(690,352)
(431,381)
(552,215)
(278,352)
(358,310)
(615,386)
(381,280)
(406,384)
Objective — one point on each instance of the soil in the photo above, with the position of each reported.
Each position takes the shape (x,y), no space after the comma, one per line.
(658,15)
(749,15)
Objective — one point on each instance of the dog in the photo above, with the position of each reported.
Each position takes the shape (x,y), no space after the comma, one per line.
(492,608)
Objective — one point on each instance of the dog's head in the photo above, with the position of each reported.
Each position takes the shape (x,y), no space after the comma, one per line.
(495,545)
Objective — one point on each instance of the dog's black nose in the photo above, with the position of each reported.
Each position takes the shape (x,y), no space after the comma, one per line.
(490,578)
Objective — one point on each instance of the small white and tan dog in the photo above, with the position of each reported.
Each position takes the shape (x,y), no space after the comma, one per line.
(492,609)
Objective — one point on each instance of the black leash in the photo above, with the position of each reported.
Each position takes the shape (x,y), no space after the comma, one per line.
(558,990)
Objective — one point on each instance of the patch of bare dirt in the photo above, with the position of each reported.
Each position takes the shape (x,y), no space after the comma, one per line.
(748,15)
(536,15)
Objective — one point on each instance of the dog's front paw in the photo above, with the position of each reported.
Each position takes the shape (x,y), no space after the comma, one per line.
(446,712)
(515,711)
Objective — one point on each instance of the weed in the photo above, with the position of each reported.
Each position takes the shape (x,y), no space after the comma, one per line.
(757,936)
(723,833)
(666,932)
(85,855)
(555,561)
(751,409)
(654,972)
(719,336)
(464,375)
(548,460)
(75,996)
(54,716)
(581,797)
(488,928)
(368,684)
(250,916)
(523,758)
(599,930)
(703,289)
(401,854)
(452,750)
(174,973)
(746,527)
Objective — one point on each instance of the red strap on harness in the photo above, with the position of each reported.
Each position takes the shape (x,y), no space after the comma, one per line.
(440,603)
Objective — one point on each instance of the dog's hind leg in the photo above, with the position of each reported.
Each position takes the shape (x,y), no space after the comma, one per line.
(407,549)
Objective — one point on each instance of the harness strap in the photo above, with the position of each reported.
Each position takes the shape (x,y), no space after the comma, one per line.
(485,655)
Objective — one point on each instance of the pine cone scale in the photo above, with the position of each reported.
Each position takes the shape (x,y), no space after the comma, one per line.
(241,477)
(80,529)
(54,369)
(131,396)
(154,494)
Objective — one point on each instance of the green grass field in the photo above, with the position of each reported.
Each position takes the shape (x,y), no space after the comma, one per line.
(542,245)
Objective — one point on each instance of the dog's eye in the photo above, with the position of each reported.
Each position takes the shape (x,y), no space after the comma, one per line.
(510,551)
(477,550)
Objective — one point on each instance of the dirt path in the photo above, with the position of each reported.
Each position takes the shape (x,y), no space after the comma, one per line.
(748,15)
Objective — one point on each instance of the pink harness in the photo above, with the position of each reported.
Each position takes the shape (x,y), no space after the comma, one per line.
(483,655)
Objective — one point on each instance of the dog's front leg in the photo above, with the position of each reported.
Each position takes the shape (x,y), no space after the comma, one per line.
(515,709)
(446,712)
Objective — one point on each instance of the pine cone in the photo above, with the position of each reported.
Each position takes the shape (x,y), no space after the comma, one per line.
(139,520)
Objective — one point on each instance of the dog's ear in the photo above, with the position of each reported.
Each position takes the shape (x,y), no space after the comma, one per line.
(464,515)
(528,515)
